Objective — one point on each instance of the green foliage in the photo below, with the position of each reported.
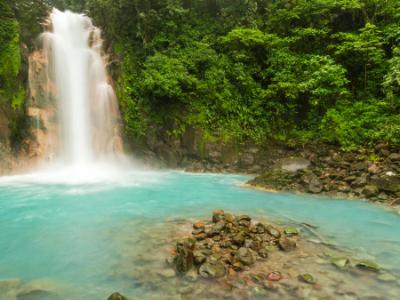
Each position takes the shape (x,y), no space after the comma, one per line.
(10,57)
(18,99)
(391,81)
(362,123)
(363,55)
(297,71)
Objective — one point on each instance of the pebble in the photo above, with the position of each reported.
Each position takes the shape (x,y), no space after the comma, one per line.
(167,273)
(387,277)
(274,276)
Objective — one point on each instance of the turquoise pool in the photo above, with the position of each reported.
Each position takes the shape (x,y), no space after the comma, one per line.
(65,232)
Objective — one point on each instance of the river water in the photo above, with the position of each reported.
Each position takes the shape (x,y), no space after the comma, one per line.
(68,234)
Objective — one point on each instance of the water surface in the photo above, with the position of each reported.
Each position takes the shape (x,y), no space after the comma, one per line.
(67,232)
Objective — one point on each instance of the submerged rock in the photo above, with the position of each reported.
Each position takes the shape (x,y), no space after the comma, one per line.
(9,284)
(166,273)
(212,270)
(340,262)
(184,257)
(230,244)
(199,225)
(287,244)
(307,278)
(218,215)
(291,231)
(387,277)
(117,296)
(368,265)
(274,276)
(273,231)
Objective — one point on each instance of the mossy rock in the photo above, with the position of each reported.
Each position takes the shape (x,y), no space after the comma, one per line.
(307,278)
(368,265)
(291,231)
(275,179)
(340,262)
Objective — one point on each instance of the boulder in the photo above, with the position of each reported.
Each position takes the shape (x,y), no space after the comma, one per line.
(229,218)
(359,166)
(263,252)
(273,231)
(394,157)
(245,256)
(361,180)
(243,220)
(388,183)
(216,229)
(293,164)
(184,258)
(239,238)
(200,256)
(370,191)
(315,186)
(260,228)
(218,215)
(287,244)
(199,225)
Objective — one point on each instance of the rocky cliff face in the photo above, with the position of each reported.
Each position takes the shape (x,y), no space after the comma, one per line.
(41,109)
(195,152)
(38,137)
(6,161)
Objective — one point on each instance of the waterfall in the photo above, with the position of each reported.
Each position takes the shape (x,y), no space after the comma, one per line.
(76,85)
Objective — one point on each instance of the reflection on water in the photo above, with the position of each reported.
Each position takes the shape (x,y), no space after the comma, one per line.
(89,240)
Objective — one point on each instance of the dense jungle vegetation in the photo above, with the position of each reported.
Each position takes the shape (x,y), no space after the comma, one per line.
(291,70)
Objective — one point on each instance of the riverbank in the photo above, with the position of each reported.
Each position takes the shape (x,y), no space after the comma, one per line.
(372,176)
(323,169)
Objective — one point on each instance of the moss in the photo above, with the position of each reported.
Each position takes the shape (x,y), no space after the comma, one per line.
(10,58)
(18,100)
(273,179)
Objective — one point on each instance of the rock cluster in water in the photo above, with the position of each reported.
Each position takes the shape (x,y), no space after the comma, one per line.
(210,259)
(230,244)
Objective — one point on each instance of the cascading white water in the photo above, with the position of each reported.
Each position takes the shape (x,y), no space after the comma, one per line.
(86,107)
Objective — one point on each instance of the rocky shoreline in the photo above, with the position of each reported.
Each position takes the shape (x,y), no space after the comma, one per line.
(344,175)
(371,173)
